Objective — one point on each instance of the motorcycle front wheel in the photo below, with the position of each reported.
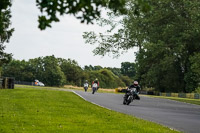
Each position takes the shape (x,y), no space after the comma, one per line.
(85,88)
(124,102)
(93,90)
(128,102)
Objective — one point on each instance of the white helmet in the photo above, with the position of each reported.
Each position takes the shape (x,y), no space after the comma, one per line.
(135,83)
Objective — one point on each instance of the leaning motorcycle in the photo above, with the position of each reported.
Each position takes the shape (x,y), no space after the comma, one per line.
(131,94)
(94,88)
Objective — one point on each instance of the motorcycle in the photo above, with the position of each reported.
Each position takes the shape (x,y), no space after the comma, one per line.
(131,94)
(94,88)
(86,87)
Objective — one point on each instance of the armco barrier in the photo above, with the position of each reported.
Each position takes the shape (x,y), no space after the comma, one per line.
(168,94)
(182,95)
(196,96)
(190,95)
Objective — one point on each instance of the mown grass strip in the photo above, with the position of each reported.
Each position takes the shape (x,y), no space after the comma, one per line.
(186,100)
(26,110)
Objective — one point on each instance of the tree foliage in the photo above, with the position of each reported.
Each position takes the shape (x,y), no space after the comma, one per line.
(72,71)
(54,71)
(168,41)
(116,71)
(19,70)
(5,15)
(128,69)
(85,10)
(5,30)
(171,30)
(45,69)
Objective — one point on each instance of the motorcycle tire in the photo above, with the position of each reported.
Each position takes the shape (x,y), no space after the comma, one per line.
(93,91)
(128,102)
(124,102)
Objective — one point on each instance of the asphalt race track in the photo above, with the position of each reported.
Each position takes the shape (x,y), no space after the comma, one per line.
(177,115)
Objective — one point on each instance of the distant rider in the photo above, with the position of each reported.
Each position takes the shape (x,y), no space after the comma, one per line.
(135,85)
(86,85)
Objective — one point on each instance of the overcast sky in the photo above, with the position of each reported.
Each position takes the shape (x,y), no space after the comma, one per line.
(63,40)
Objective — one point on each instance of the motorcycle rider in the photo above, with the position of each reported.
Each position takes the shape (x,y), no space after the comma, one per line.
(86,85)
(97,82)
(135,85)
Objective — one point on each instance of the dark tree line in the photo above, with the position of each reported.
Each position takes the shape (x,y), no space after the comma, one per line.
(54,71)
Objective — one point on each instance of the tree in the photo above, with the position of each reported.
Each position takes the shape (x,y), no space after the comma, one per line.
(126,80)
(128,69)
(52,72)
(21,70)
(171,29)
(47,70)
(5,31)
(5,15)
(72,71)
(92,68)
(88,68)
(116,71)
(167,38)
(156,68)
(85,10)
(195,65)
(128,35)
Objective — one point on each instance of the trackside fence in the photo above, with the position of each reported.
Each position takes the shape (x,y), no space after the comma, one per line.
(181,95)
(24,83)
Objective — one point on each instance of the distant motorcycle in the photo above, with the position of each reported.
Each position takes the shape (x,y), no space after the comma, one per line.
(131,94)
(94,88)
(86,87)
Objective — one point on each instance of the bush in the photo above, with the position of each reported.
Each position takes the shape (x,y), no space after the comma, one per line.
(197,90)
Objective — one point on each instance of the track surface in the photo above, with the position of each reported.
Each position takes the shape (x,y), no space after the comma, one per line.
(177,115)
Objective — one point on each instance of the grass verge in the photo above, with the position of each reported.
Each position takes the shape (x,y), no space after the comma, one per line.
(69,87)
(30,110)
(186,100)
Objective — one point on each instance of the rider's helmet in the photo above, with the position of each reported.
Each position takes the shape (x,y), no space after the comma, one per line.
(135,83)
(86,81)
(96,79)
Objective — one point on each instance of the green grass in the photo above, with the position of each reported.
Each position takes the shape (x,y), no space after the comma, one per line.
(186,100)
(32,110)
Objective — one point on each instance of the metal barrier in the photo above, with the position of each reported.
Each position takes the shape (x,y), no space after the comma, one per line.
(24,83)
(181,95)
